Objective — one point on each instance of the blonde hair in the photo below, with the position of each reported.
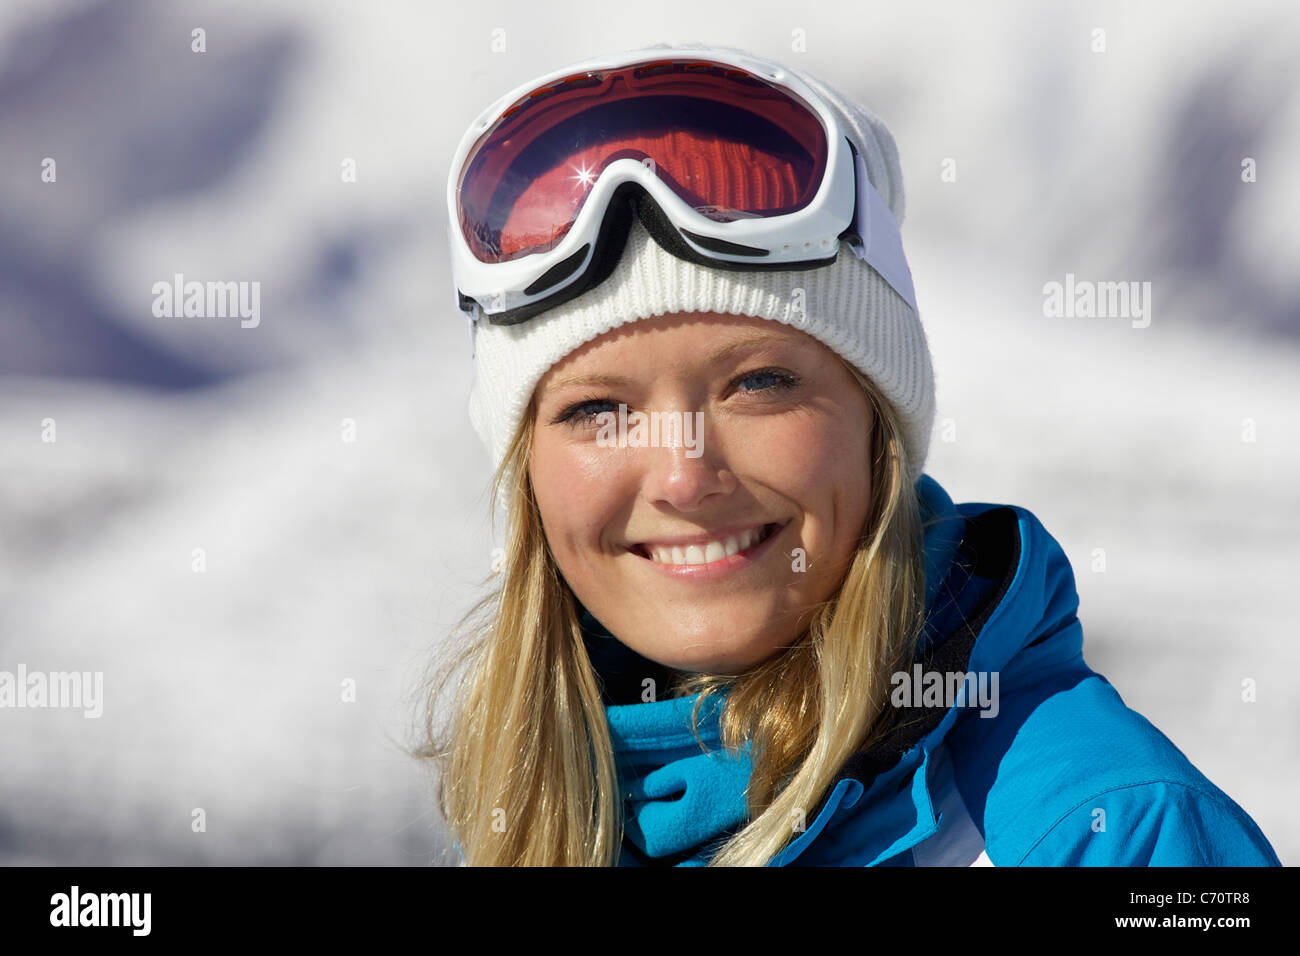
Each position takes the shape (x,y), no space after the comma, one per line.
(526,766)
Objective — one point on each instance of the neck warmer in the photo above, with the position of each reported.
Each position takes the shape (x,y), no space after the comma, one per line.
(684,797)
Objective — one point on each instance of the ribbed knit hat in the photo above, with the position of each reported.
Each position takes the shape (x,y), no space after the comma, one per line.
(846,305)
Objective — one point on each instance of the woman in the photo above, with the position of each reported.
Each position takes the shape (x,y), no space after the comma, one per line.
(736,623)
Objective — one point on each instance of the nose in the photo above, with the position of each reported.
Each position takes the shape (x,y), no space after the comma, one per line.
(687,478)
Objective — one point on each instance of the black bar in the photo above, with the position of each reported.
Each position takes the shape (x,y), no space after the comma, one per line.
(365,905)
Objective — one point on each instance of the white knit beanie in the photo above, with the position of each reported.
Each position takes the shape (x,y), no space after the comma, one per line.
(846,305)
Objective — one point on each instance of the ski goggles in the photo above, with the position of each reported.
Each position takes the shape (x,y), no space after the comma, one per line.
(728,161)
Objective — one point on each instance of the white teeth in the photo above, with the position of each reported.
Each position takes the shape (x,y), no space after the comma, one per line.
(706,553)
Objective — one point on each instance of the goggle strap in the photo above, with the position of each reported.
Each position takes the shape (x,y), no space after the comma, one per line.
(471,316)
(882,243)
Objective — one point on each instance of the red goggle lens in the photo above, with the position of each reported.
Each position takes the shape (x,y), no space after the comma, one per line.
(729,143)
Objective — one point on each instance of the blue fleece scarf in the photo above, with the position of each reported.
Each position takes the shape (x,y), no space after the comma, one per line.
(682,800)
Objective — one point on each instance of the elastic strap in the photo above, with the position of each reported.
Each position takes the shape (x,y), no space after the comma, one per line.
(882,243)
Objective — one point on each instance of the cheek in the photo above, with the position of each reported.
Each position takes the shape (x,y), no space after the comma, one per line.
(817,461)
(578,488)
(824,471)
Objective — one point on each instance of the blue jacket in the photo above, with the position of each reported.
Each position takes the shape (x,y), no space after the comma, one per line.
(1051,770)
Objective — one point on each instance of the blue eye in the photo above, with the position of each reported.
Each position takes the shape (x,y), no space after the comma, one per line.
(584,412)
(769,379)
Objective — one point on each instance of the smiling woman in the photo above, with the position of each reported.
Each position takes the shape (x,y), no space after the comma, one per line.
(694,655)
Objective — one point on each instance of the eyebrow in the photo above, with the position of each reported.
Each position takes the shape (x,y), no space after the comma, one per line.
(749,343)
(588,381)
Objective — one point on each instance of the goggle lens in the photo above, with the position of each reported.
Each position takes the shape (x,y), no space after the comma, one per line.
(729,143)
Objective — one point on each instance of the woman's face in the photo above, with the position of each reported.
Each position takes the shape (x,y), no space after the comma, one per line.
(708,556)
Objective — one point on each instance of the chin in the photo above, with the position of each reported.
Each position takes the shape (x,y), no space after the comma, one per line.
(712,659)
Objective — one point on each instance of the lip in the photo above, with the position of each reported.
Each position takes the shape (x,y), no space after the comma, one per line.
(715,570)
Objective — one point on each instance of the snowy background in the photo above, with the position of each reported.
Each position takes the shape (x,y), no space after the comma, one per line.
(330,560)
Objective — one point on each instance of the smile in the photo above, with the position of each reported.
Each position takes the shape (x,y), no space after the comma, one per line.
(691,552)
